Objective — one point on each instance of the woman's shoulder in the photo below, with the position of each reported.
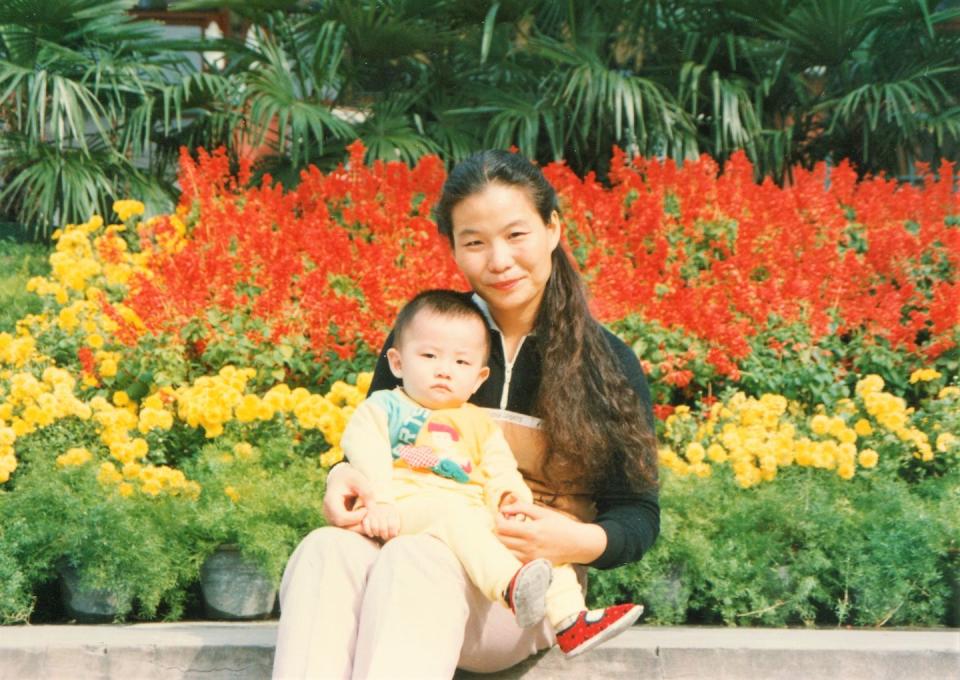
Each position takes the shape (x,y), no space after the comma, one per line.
(622,351)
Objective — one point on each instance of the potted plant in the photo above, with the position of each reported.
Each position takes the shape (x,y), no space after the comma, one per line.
(116,548)
(256,504)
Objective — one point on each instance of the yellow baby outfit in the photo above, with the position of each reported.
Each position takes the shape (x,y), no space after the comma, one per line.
(447,471)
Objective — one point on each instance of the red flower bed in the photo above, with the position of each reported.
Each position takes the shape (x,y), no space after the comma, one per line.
(715,256)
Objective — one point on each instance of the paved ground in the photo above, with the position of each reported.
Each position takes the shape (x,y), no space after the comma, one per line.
(244,651)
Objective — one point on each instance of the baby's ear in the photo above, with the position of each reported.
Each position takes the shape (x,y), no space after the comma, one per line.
(483,375)
(396,365)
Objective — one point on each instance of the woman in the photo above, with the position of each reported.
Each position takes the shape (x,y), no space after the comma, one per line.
(574,405)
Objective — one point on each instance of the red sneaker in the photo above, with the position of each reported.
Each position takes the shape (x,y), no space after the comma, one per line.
(527,593)
(596,626)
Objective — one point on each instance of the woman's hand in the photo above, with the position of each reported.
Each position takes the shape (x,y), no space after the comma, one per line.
(345,486)
(549,534)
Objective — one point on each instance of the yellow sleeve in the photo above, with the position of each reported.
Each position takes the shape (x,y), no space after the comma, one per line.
(366,444)
(501,469)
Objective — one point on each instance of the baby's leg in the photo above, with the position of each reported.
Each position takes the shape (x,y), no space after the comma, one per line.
(565,596)
(577,629)
(467,528)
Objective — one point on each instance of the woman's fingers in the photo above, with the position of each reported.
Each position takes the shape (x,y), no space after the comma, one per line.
(345,486)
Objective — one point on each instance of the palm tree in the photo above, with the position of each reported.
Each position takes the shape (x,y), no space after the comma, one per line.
(87,97)
(788,81)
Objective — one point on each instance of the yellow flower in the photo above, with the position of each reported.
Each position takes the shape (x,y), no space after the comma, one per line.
(716,453)
(74,457)
(951,391)
(108,474)
(944,441)
(108,368)
(232,493)
(863,427)
(869,384)
(125,209)
(120,398)
(820,424)
(868,458)
(695,453)
(125,489)
(846,471)
(923,375)
(331,457)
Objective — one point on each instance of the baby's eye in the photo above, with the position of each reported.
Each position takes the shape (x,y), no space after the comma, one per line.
(428,355)
(463,362)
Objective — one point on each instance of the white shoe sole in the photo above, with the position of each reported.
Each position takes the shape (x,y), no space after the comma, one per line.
(530,592)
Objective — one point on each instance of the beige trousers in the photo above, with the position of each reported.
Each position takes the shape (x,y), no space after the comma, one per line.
(353,609)
(465,525)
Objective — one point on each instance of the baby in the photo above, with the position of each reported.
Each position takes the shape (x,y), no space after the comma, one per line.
(440,466)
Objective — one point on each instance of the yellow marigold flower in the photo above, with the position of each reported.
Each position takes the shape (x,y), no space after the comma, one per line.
(125,489)
(716,453)
(153,401)
(74,457)
(701,470)
(868,458)
(331,457)
(869,384)
(846,470)
(121,398)
(7,436)
(951,391)
(131,470)
(8,463)
(151,487)
(863,428)
(924,375)
(846,436)
(363,382)
(108,368)
(944,441)
(695,453)
(248,408)
(108,474)
(820,424)
(125,209)
(232,493)
(95,340)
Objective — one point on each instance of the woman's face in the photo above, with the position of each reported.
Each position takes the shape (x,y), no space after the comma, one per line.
(503,248)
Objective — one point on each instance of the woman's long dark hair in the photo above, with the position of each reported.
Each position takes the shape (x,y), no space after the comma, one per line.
(591,415)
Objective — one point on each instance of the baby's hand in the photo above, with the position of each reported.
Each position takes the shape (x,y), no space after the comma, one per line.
(382,521)
(508,499)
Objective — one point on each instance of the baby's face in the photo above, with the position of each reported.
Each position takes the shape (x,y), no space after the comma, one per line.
(440,359)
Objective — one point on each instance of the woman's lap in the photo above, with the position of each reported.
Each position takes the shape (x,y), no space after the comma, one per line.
(402,610)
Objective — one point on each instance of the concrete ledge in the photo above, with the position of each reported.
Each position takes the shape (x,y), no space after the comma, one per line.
(244,651)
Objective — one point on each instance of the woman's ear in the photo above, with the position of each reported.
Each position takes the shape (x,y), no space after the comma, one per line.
(554,229)
(396,366)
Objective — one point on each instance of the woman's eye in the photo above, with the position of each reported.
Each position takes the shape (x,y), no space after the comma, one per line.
(517,234)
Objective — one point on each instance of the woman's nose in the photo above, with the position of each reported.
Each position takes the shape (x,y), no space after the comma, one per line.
(500,257)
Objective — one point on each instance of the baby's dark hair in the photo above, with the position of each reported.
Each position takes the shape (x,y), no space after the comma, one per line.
(448,303)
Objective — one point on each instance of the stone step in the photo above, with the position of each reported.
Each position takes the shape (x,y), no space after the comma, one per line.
(244,651)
